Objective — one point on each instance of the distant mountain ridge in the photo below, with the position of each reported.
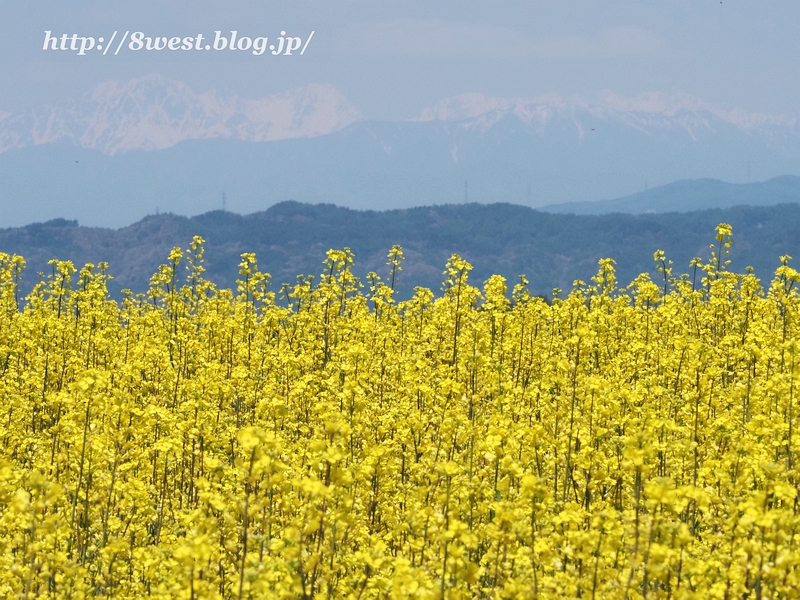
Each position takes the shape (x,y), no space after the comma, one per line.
(126,151)
(689,195)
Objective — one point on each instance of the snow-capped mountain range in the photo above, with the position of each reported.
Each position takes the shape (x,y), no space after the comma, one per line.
(153,113)
(126,150)
(645,111)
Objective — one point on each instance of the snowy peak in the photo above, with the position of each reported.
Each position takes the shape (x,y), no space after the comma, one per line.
(670,105)
(305,112)
(647,112)
(153,113)
(474,105)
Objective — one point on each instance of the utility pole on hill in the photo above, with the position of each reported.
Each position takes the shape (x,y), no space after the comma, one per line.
(223,201)
(466,194)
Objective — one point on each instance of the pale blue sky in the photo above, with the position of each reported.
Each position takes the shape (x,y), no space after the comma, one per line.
(394,59)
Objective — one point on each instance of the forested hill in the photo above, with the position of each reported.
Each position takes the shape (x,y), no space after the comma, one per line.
(290,238)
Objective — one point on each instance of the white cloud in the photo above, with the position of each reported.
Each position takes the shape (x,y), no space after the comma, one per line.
(629,41)
(430,38)
(427,38)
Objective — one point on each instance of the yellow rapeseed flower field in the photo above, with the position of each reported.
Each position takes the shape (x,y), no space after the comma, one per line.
(329,441)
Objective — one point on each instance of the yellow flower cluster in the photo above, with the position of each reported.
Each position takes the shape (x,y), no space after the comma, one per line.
(332,442)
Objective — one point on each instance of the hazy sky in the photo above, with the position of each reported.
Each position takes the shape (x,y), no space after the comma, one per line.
(392,59)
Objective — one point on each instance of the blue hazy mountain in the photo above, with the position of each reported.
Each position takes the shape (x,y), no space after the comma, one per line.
(692,194)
